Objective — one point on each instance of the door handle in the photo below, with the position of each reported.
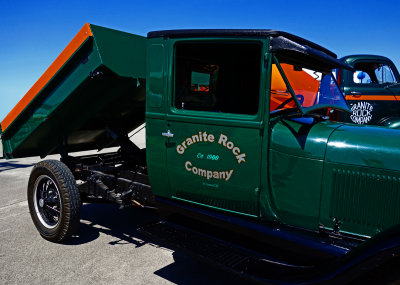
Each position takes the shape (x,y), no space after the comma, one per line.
(168,134)
(355,93)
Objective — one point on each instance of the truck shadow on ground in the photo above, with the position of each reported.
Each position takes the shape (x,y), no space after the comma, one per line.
(4,166)
(108,219)
(123,225)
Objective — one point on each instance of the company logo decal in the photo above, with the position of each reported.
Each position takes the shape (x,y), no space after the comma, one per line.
(362,112)
(223,141)
(225,175)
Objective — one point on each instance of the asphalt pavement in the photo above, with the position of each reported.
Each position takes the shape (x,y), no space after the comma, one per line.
(108,248)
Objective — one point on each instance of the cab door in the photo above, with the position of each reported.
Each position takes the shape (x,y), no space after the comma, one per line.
(214,124)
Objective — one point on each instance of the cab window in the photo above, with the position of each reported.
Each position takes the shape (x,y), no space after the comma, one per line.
(305,84)
(373,73)
(280,96)
(217,77)
(312,89)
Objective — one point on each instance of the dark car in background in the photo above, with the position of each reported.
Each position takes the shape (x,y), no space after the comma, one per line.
(372,90)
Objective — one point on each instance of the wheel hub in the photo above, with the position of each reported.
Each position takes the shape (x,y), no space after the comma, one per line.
(47,201)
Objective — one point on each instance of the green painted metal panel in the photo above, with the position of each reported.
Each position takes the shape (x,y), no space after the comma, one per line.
(350,169)
(222,170)
(18,135)
(121,52)
(265,204)
(156,74)
(215,165)
(208,173)
(301,139)
(296,188)
(364,200)
(102,84)
(156,92)
(156,155)
(297,152)
(375,147)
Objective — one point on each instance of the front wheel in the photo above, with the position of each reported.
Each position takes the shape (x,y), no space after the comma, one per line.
(54,200)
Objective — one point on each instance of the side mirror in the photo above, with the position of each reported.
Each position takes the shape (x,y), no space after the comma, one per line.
(361,75)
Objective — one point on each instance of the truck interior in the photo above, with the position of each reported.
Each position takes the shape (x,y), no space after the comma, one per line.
(218,77)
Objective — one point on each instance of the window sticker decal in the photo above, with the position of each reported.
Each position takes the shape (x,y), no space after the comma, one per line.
(362,112)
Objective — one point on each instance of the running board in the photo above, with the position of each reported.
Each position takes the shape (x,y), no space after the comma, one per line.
(227,256)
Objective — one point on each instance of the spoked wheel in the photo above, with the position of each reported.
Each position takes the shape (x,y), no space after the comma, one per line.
(54,200)
(47,201)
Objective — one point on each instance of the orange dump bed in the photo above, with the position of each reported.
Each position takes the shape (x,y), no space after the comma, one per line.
(76,42)
(96,82)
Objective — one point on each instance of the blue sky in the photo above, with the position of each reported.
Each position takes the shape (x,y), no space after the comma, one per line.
(33,33)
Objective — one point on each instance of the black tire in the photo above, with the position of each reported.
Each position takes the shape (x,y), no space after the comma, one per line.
(54,200)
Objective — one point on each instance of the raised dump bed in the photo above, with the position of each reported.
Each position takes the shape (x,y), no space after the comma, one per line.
(96,84)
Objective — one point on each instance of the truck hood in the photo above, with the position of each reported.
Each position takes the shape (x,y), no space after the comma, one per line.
(368,146)
(345,144)
(301,137)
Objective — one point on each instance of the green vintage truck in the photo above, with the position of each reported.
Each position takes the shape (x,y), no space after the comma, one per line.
(241,160)
(372,90)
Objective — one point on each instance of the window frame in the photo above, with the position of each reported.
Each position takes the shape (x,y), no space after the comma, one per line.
(262,42)
(288,86)
(350,74)
(302,110)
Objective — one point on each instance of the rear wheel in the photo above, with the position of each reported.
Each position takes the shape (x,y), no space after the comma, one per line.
(54,200)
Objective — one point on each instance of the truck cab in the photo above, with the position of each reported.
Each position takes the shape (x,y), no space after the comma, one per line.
(215,137)
(372,90)
(238,132)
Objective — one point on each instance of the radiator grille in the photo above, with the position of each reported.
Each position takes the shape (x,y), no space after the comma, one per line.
(367,199)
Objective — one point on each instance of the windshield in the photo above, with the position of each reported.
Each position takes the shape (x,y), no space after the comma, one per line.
(313,89)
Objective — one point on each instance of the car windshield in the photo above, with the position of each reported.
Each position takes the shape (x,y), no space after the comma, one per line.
(313,89)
